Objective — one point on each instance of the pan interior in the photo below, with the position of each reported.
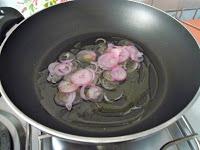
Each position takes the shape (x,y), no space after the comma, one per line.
(38,41)
(137,103)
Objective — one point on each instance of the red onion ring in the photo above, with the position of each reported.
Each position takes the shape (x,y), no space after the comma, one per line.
(94,92)
(66,61)
(70,100)
(65,99)
(107,61)
(113,100)
(86,55)
(124,55)
(93,73)
(118,73)
(111,45)
(100,39)
(115,51)
(66,57)
(67,87)
(107,75)
(82,77)
(121,52)
(53,78)
(139,57)
(82,92)
(135,54)
(63,69)
(52,66)
(96,65)
(60,98)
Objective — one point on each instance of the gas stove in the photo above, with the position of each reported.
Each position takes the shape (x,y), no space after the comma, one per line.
(16,134)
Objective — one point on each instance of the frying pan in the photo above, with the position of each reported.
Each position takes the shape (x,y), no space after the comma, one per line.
(37,41)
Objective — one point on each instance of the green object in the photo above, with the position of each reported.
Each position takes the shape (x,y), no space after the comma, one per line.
(31,8)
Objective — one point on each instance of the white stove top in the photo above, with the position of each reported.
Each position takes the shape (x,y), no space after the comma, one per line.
(193,116)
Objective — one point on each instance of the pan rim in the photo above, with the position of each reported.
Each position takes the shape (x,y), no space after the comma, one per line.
(96,140)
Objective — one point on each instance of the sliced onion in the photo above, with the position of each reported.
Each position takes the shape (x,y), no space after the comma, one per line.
(124,55)
(118,73)
(82,92)
(107,61)
(86,56)
(63,69)
(101,48)
(67,87)
(95,93)
(100,40)
(96,79)
(139,57)
(74,66)
(109,85)
(60,98)
(132,66)
(135,54)
(95,64)
(67,77)
(65,99)
(111,45)
(121,52)
(107,75)
(70,100)
(78,99)
(66,57)
(111,100)
(92,72)
(82,77)
(52,66)
(53,78)
(115,51)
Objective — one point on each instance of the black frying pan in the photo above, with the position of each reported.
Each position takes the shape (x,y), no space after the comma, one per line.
(39,39)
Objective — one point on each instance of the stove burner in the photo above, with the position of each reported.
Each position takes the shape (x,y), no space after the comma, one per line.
(12,134)
(5,138)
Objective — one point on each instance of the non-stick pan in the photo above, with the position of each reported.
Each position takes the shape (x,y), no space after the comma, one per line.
(37,41)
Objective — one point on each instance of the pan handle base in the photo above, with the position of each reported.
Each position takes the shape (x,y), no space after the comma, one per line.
(8,18)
